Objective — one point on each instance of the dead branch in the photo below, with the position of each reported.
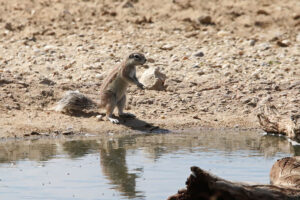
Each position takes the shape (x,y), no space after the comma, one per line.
(272,122)
(201,185)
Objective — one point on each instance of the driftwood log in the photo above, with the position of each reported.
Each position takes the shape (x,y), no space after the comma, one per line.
(271,121)
(201,185)
(286,172)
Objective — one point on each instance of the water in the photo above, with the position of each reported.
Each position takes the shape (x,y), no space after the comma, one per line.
(132,167)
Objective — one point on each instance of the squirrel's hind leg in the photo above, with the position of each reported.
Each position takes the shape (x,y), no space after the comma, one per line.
(121,105)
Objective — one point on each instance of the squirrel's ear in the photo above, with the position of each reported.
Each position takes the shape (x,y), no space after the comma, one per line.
(131,55)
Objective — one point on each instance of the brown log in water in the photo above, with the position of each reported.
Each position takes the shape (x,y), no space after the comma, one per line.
(201,185)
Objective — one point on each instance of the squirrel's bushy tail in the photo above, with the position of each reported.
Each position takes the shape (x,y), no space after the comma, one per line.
(75,101)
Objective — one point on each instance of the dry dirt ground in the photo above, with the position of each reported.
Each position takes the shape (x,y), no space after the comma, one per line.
(248,54)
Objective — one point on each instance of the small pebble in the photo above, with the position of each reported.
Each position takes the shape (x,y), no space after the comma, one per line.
(167,47)
(200,73)
(283,43)
(199,54)
(223,33)
(298,37)
(205,20)
(252,42)
(262,12)
(264,46)
(99,76)
(227,74)
(150,60)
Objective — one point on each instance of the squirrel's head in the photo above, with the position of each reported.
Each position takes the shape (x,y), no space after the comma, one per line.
(136,59)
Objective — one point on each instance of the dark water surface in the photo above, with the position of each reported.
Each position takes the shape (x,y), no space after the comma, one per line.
(132,167)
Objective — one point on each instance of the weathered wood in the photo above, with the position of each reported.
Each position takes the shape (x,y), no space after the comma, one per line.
(271,121)
(286,172)
(201,185)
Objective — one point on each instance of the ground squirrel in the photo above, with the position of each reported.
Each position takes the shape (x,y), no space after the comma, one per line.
(112,92)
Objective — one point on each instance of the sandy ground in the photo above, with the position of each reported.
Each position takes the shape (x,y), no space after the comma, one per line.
(248,54)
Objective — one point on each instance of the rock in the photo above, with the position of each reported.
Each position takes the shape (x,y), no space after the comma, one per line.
(251,101)
(296,16)
(153,79)
(298,37)
(35,133)
(264,46)
(143,20)
(201,72)
(206,20)
(127,4)
(150,60)
(68,133)
(49,47)
(167,47)
(227,73)
(283,43)
(223,33)
(252,42)
(47,93)
(262,12)
(256,74)
(47,81)
(9,27)
(199,54)
(68,66)
(99,76)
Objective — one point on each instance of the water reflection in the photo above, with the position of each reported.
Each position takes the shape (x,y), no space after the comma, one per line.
(114,167)
(79,148)
(113,152)
(32,150)
(271,144)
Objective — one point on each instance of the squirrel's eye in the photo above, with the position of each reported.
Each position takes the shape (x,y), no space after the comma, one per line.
(137,56)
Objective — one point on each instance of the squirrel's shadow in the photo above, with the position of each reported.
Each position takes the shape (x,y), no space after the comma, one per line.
(140,125)
(83,114)
(130,122)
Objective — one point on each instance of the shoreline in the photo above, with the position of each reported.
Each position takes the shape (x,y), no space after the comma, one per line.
(91,126)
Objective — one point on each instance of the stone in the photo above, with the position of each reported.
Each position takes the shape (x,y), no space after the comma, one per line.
(223,33)
(264,46)
(298,37)
(150,60)
(227,73)
(206,20)
(201,72)
(283,43)
(199,54)
(262,12)
(167,47)
(127,4)
(99,76)
(9,27)
(153,79)
(46,81)
(252,42)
